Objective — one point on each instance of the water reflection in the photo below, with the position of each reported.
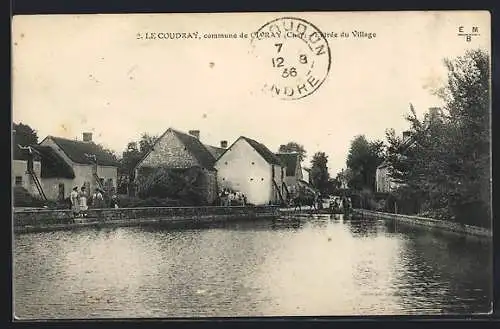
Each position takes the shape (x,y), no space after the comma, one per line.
(313,265)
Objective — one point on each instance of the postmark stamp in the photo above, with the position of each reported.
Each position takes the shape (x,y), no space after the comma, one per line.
(293,55)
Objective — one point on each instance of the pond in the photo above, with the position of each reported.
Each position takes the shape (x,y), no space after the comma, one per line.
(314,266)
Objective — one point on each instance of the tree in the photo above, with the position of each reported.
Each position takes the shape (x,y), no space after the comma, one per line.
(24,135)
(146,143)
(319,172)
(133,153)
(293,147)
(131,157)
(363,159)
(448,161)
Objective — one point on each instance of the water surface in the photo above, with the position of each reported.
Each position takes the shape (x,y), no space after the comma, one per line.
(319,266)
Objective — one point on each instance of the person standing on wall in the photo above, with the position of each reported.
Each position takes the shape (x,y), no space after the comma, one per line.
(75,203)
(83,201)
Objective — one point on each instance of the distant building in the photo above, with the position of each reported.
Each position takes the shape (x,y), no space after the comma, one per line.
(250,167)
(293,171)
(383,181)
(21,162)
(178,150)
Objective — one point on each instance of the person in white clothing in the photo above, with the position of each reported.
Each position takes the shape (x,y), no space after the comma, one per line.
(75,204)
(83,202)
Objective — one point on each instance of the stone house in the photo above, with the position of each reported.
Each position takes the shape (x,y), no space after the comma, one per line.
(178,150)
(293,171)
(67,163)
(249,167)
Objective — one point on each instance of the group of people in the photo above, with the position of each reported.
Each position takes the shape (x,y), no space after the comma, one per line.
(341,204)
(228,197)
(80,200)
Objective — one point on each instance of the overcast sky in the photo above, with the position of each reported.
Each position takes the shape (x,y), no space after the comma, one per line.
(90,73)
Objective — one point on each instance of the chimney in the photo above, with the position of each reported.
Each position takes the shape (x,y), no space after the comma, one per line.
(87,137)
(434,110)
(223,144)
(195,133)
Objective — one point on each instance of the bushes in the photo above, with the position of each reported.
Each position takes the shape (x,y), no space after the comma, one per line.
(22,198)
(166,183)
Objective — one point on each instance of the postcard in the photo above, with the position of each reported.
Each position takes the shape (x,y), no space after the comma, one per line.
(251,164)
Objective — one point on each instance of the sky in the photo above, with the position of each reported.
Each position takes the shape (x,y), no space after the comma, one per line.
(78,73)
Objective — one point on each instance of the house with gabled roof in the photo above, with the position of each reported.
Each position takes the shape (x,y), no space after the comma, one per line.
(175,149)
(249,167)
(66,163)
(293,170)
(22,164)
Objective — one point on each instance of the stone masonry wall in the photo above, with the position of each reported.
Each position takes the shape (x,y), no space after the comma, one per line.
(428,222)
(42,219)
(169,152)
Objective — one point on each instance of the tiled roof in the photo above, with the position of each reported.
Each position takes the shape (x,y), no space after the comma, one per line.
(215,151)
(196,148)
(53,165)
(289,160)
(269,156)
(77,150)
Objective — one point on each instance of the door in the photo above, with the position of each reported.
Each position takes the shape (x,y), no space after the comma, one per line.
(60,194)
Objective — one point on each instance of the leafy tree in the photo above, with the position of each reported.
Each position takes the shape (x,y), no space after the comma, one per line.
(134,152)
(363,159)
(146,143)
(319,172)
(186,185)
(447,161)
(23,135)
(294,147)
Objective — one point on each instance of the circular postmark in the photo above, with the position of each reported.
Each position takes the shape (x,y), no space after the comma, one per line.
(293,56)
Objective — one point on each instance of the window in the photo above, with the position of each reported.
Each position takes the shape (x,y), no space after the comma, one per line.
(19,180)
(223,178)
(253,163)
(262,179)
(251,179)
(225,163)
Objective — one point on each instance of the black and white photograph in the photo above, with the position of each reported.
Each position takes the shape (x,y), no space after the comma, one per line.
(265,164)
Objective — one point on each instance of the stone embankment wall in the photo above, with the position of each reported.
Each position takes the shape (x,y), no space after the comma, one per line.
(427,222)
(32,220)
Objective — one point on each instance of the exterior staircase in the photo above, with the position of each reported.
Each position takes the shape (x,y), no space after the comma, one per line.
(37,184)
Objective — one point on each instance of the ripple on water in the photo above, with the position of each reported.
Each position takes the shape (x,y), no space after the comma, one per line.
(319,266)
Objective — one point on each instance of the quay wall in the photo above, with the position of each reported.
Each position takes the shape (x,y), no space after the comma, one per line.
(427,222)
(34,220)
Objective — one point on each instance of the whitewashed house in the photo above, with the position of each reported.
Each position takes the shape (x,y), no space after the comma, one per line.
(22,164)
(67,163)
(249,167)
